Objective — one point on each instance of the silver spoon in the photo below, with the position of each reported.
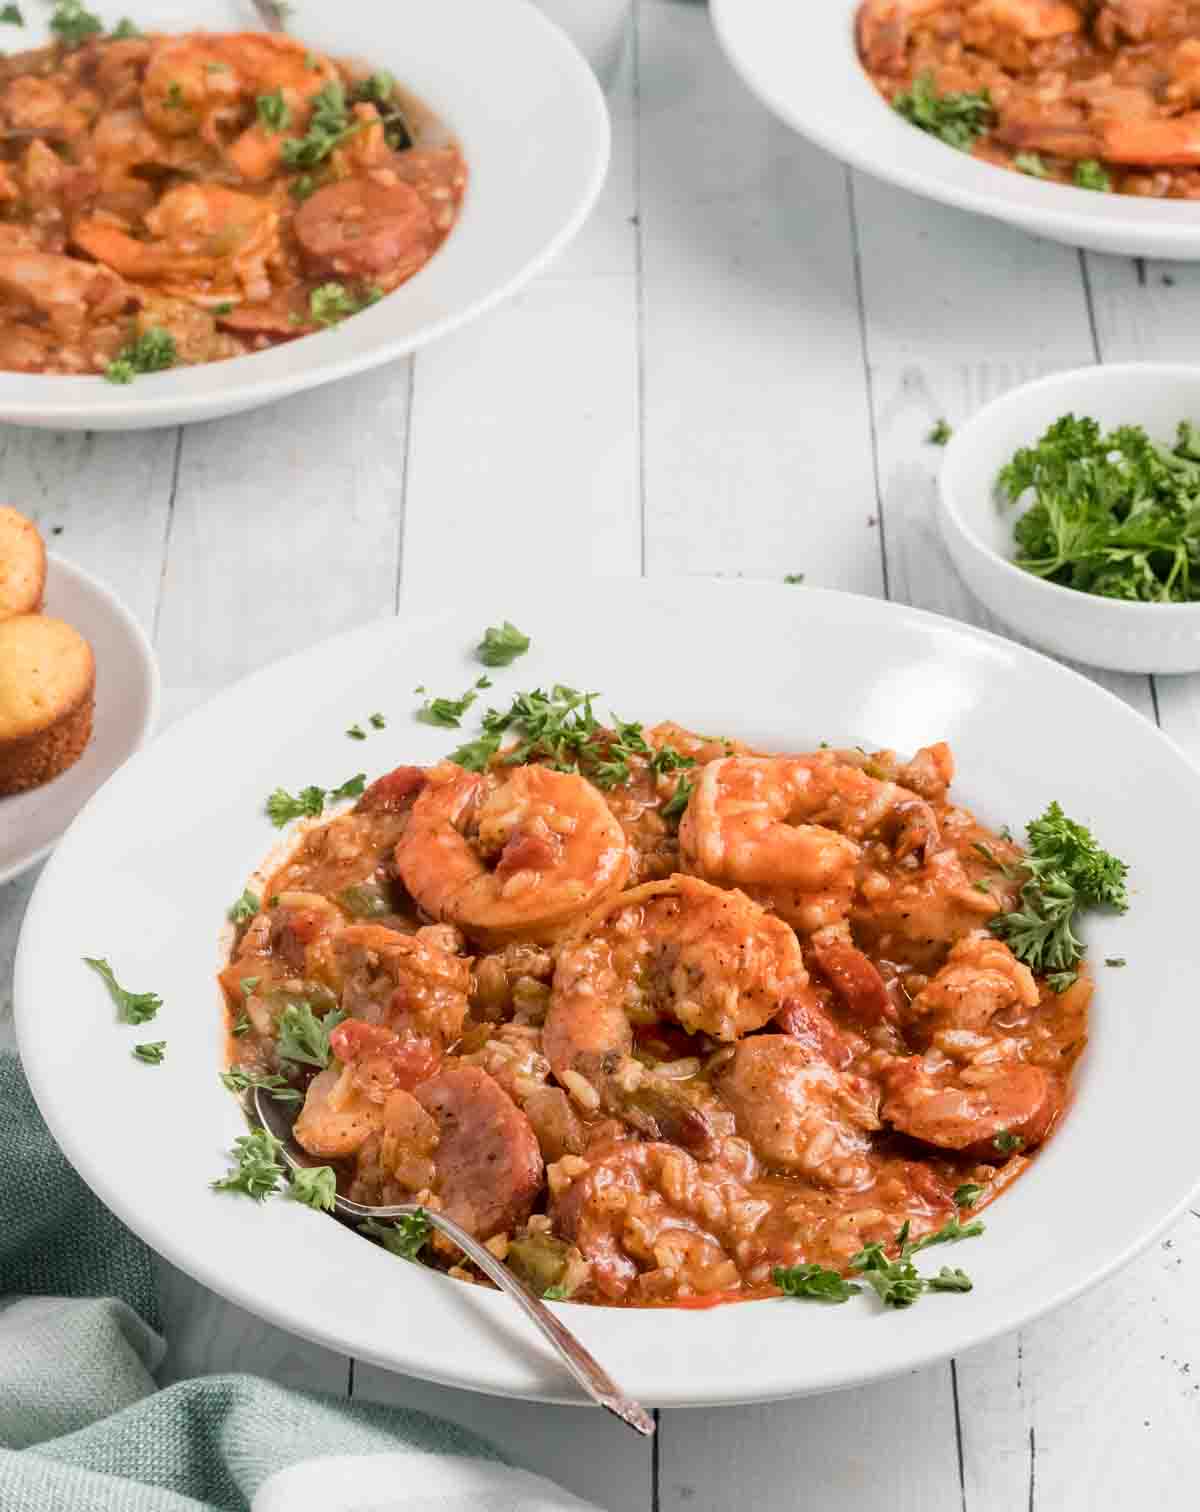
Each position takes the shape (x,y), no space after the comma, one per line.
(278,1119)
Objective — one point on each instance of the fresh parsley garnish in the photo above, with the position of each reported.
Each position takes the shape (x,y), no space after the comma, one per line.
(175,99)
(152,1052)
(813,1282)
(501,645)
(353,787)
(73,25)
(256,1170)
(554,1293)
(380,90)
(898,1283)
(274,111)
(678,801)
(237,1079)
(245,908)
(11,16)
(315,1186)
(1115,961)
(1112,513)
(152,352)
(302,1036)
(303,187)
(332,302)
(406,1236)
(282,807)
(1030,163)
(329,125)
(378,722)
(1090,174)
(956,119)
(940,434)
(241,1025)
(132,1007)
(1067,871)
(793,577)
(1006,1141)
(447,712)
(124,30)
(968,1194)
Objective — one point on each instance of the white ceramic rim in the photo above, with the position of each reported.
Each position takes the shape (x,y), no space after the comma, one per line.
(752,1352)
(759,38)
(148,665)
(1175,617)
(214,389)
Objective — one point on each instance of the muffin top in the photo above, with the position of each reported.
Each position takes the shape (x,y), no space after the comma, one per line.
(22,564)
(46,671)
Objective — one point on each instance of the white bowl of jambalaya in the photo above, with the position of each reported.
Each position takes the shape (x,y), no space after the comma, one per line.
(1073,120)
(316,199)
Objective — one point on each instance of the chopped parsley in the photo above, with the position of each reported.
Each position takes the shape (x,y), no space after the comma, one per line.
(1115,961)
(501,645)
(1006,1142)
(379,89)
(152,1052)
(678,801)
(329,125)
(241,1025)
(1091,175)
(333,302)
(315,1186)
(237,1079)
(813,1282)
(303,187)
(352,787)
(554,1294)
(356,732)
(1030,163)
(1066,871)
(1112,513)
(968,1194)
(793,577)
(256,1170)
(124,30)
(406,1236)
(282,807)
(175,99)
(956,119)
(132,1007)
(152,352)
(73,25)
(378,722)
(898,1283)
(303,1036)
(448,712)
(274,111)
(940,434)
(245,908)
(11,15)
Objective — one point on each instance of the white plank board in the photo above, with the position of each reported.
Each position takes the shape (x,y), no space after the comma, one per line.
(751,352)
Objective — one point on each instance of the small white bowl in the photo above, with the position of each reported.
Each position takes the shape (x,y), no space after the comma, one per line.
(977,523)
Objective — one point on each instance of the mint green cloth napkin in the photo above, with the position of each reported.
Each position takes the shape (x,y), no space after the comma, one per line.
(83,1426)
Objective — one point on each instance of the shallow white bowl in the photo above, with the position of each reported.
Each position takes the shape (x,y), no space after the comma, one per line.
(127,694)
(801,61)
(532,124)
(145,879)
(977,525)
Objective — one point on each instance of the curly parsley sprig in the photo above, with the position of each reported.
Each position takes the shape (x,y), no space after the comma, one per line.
(956,119)
(1065,871)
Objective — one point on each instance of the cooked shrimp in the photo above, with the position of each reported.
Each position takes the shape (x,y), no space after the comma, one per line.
(411,984)
(981,979)
(209,243)
(798,1113)
(511,856)
(338,1117)
(711,961)
(1032,20)
(784,828)
(210,83)
(70,293)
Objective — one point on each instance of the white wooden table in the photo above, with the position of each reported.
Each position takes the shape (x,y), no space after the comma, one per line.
(732,372)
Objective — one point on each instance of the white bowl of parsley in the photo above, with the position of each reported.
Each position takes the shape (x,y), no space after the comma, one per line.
(1071,508)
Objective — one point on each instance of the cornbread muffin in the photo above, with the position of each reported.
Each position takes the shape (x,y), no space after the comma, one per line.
(47,692)
(22,565)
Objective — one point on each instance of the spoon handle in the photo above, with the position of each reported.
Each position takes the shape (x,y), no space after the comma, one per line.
(588,1371)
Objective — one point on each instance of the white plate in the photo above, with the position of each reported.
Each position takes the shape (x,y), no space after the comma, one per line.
(532,124)
(127,694)
(147,872)
(802,62)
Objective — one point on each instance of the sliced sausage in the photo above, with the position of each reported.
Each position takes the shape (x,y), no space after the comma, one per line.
(855,980)
(1019,1101)
(805,1020)
(393,793)
(489,1166)
(360,226)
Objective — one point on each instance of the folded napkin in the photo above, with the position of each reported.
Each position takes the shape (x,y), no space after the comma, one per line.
(83,1426)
